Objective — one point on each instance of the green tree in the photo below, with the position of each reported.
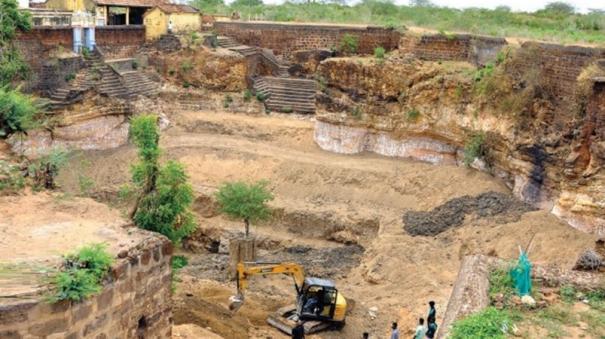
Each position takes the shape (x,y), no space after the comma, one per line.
(12,20)
(246,3)
(165,195)
(245,201)
(208,6)
(560,7)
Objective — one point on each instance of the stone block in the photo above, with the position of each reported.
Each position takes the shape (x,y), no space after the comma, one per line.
(81,311)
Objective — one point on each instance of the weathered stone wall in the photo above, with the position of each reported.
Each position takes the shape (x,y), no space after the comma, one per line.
(284,38)
(134,303)
(456,47)
(54,72)
(119,41)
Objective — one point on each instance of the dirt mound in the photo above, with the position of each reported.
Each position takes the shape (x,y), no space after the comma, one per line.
(453,212)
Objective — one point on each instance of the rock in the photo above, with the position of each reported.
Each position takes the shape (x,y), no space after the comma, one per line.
(345,237)
(515,300)
(373,312)
(528,300)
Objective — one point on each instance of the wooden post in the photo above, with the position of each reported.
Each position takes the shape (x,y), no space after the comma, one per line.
(240,250)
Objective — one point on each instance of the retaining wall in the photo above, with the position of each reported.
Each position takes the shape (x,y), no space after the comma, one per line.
(475,49)
(285,38)
(135,303)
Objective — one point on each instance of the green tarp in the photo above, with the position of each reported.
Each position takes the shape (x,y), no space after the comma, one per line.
(521,275)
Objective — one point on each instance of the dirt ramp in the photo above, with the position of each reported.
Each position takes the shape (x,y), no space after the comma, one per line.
(452,213)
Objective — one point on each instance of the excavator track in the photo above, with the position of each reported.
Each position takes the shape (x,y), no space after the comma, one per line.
(285,320)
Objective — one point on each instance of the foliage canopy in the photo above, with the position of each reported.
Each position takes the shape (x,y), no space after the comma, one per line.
(245,201)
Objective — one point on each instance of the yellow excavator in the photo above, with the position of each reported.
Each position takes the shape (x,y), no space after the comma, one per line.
(318,303)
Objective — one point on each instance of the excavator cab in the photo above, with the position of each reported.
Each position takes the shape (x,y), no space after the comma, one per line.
(317,300)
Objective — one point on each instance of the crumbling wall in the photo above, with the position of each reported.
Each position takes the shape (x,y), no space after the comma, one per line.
(118,42)
(475,49)
(285,38)
(135,303)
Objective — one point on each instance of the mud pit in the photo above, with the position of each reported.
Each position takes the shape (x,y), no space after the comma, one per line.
(360,194)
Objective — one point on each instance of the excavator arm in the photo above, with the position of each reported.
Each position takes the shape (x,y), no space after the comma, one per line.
(249,269)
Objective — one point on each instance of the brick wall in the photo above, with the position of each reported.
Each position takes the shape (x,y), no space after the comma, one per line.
(284,38)
(134,303)
(456,47)
(120,41)
(559,65)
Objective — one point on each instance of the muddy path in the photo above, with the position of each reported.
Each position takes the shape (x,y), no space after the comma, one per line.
(396,273)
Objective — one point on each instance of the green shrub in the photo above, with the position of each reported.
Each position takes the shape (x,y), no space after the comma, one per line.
(247,95)
(474,148)
(287,109)
(17,112)
(85,184)
(135,64)
(245,201)
(82,274)
(44,170)
(412,115)
(501,282)
(227,101)
(487,324)
(11,178)
(349,44)
(69,77)
(379,52)
(261,97)
(177,263)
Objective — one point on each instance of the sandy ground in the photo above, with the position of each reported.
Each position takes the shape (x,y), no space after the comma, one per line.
(397,274)
(37,229)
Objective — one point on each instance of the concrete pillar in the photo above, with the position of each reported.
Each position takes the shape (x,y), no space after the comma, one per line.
(90,38)
(127,16)
(77,39)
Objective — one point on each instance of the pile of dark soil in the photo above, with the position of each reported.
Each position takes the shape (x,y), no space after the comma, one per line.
(452,213)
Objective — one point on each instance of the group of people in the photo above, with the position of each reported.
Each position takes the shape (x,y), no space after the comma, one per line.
(429,331)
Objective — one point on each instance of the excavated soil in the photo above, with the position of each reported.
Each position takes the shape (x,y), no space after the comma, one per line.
(360,198)
(452,213)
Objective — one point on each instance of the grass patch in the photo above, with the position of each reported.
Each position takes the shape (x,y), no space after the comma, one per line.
(501,282)
(490,323)
(247,95)
(356,113)
(82,274)
(379,52)
(227,101)
(349,44)
(474,148)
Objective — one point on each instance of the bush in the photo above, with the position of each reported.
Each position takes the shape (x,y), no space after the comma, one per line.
(260,96)
(177,263)
(349,44)
(247,95)
(474,148)
(412,115)
(568,293)
(44,170)
(17,112)
(82,275)
(487,324)
(69,77)
(379,52)
(186,66)
(356,113)
(245,201)
(227,101)
(11,178)
(501,282)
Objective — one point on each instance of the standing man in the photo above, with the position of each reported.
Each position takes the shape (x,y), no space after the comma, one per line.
(420,329)
(431,321)
(298,332)
(395,331)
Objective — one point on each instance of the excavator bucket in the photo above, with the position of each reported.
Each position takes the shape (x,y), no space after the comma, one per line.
(235,302)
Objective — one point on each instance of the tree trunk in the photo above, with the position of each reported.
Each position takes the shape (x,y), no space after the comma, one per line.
(240,250)
(247,223)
